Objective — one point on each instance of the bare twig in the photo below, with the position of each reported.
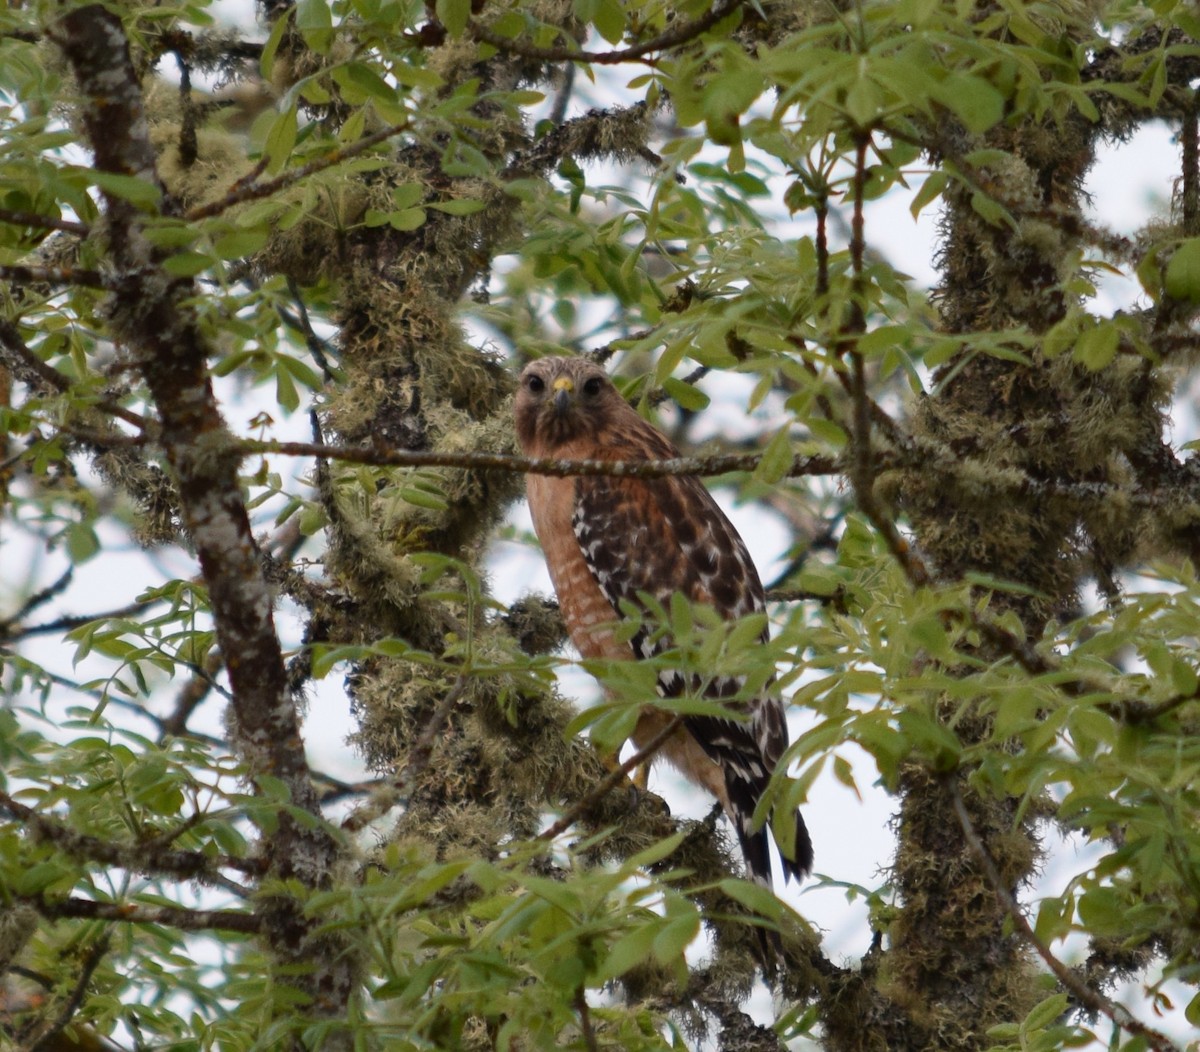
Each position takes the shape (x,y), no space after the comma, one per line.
(585,1020)
(1090,998)
(612,780)
(252,190)
(91,961)
(316,346)
(135,913)
(25,274)
(191,694)
(32,219)
(39,598)
(138,857)
(671,38)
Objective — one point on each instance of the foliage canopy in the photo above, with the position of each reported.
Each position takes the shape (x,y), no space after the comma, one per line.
(370,216)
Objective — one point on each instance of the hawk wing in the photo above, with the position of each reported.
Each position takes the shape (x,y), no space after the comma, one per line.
(661,536)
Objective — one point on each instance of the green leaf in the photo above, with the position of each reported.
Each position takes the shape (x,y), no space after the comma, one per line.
(271,47)
(454,15)
(186,264)
(974,100)
(609,19)
(777,458)
(238,244)
(462,206)
(675,937)
(361,76)
(82,542)
(315,23)
(1044,1013)
(685,395)
(630,951)
(280,140)
(991,210)
(141,192)
(1192,1012)
(409,219)
(863,101)
(930,190)
(1102,911)
(285,391)
(759,900)
(1097,346)
(1183,271)
(423,498)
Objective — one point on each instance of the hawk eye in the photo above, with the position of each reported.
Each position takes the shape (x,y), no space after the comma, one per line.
(536,384)
(592,386)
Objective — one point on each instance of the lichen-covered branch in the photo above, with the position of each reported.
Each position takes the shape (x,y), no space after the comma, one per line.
(671,38)
(135,913)
(138,857)
(1087,996)
(149,312)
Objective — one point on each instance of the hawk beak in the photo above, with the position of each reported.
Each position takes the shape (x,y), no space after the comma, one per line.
(563,390)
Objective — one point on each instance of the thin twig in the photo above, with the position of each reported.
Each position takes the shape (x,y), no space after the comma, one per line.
(1090,998)
(611,780)
(11,631)
(24,274)
(198,687)
(139,857)
(91,962)
(585,1020)
(836,598)
(135,913)
(32,219)
(39,598)
(316,346)
(671,38)
(254,191)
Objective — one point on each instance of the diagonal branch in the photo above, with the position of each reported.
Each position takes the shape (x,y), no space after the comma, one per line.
(1087,996)
(136,857)
(136,913)
(612,780)
(681,34)
(250,189)
(40,222)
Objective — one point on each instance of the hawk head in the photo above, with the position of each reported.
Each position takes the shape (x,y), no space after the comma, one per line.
(562,400)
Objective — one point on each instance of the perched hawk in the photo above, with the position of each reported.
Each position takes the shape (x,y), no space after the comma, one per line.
(606,539)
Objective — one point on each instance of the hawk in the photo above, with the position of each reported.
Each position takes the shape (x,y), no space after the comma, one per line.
(608,539)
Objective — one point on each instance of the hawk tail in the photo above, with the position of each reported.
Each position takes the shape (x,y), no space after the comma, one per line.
(800,864)
(755,843)
(756,849)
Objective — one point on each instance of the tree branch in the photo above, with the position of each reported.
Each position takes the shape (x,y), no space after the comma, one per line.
(1087,996)
(43,1038)
(135,913)
(611,781)
(151,315)
(136,857)
(25,274)
(249,189)
(643,469)
(671,38)
(32,219)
